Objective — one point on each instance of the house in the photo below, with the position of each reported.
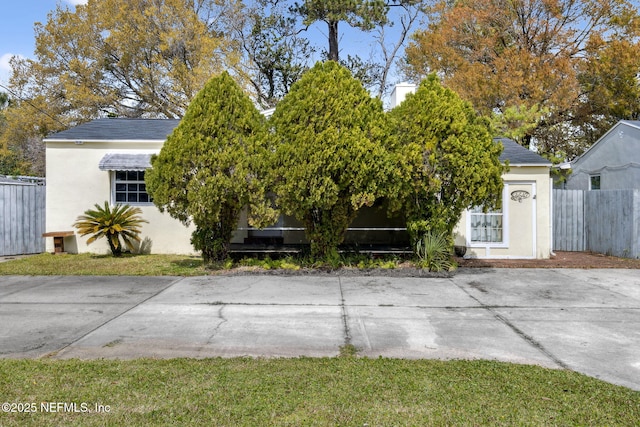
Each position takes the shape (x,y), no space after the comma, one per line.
(602,212)
(106,159)
(522,228)
(611,163)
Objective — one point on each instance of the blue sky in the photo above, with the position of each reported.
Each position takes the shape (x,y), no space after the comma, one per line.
(18,17)
(16,27)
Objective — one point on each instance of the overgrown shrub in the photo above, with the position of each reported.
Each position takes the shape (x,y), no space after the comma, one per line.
(330,155)
(211,167)
(451,161)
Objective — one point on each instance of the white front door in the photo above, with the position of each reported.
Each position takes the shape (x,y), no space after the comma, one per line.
(521,197)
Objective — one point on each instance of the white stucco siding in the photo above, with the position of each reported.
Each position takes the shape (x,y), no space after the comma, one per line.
(166,234)
(75,183)
(526,222)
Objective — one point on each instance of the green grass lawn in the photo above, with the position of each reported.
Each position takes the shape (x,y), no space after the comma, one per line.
(169,265)
(105,265)
(346,391)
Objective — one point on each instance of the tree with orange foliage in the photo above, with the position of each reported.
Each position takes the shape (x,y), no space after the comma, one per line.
(128,58)
(549,58)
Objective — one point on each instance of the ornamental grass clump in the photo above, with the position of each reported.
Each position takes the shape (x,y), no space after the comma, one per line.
(121,221)
(433,251)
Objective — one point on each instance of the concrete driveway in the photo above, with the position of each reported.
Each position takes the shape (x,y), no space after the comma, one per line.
(584,320)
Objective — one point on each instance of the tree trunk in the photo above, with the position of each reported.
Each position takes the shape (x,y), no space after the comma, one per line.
(333,40)
(115,250)
(214,239)
(326,228)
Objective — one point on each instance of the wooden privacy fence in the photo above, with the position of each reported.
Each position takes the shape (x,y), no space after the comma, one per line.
(22,215)
(603,221)
(568,220)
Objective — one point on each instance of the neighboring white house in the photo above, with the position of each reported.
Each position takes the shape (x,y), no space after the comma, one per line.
(611,163)
(105,160)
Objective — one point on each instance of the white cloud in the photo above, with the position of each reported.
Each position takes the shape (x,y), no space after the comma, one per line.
(4,62)
(76,2)
(5,67)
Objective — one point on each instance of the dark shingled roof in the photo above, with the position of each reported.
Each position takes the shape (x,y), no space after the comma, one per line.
(159,129)
(118,129)
(516,154)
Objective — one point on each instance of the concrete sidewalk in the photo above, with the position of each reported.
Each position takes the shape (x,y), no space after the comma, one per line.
(584,320)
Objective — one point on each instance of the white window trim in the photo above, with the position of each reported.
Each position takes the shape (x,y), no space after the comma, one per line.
(112,178)
(593,176)
(505,225)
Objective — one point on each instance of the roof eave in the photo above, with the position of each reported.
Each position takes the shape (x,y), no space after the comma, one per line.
(605,135)
(545,165)
(120,141)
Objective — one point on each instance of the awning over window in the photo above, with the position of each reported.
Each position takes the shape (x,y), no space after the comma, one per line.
(125,162)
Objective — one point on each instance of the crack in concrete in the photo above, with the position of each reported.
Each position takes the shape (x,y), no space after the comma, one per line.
(529,339)
(480,306)
(345,319)
(217,328)
(56,352)
(365,335)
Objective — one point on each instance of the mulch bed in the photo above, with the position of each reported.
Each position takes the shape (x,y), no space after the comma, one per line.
(581,260)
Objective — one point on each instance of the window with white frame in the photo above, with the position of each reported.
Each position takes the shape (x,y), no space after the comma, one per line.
(486,227)
(594,182)
(129,187)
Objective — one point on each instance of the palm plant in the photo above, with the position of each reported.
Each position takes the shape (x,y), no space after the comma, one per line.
(433,251)
(121,221)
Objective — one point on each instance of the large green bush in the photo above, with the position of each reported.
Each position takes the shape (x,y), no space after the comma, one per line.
(331,159)
(210,167)
(451,159)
